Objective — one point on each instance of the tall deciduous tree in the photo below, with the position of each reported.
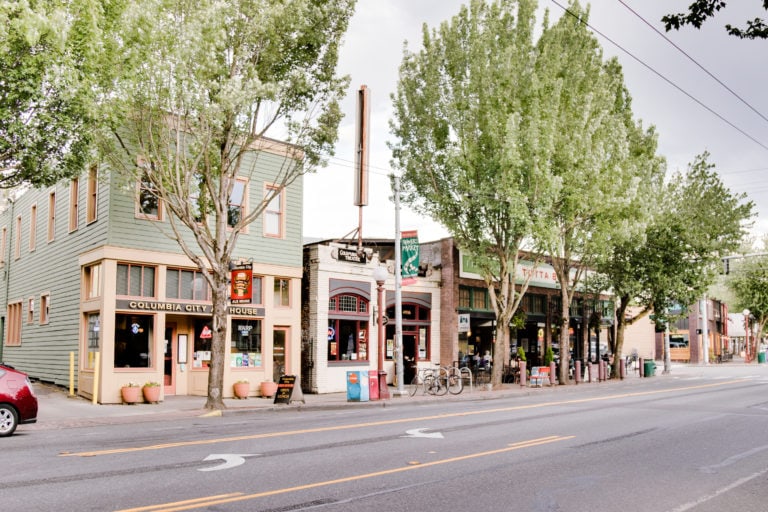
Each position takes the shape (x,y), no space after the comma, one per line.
(48,62)
(201,84)
(748,281)
(695,221)
(461,111)
(594,153)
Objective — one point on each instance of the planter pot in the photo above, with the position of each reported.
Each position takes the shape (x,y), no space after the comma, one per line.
(151,394)
(130,395)
(241,390)
(268,389)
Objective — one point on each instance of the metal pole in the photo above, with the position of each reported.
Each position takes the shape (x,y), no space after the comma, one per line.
(398,296)
(705,329)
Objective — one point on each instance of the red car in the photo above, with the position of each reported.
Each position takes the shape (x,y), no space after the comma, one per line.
(18,403)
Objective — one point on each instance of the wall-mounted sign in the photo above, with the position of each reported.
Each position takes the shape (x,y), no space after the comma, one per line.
(241,287)
(464,322)
(188,308)
(350,255)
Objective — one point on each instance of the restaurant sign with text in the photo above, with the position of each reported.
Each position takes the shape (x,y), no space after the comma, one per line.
(185,308)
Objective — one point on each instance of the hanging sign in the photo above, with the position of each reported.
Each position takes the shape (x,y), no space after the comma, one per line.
(241,287)
(409,251)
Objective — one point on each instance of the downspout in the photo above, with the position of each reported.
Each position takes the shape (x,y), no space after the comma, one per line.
(7,274)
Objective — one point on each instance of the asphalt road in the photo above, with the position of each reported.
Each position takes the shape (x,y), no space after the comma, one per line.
(695,442)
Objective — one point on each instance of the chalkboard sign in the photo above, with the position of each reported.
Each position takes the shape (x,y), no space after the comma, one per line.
(288,390)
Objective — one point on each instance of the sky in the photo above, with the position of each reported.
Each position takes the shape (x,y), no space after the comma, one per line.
(669,77)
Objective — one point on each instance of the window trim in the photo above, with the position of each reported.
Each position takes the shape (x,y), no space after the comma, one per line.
(91,204)
(45,308)
(13,329)
(128,284)
(74,207)
(30,310)
(279,304)
(32,227)
(243,206)
(281,196)
(52,216)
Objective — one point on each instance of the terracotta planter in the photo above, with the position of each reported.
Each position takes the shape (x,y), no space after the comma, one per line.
(241,389)
(151,394)
(268,389)
(130,394)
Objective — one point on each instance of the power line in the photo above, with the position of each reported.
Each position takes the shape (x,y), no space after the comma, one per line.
(745,102)
(657,73)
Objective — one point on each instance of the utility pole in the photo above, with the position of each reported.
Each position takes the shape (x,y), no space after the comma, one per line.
(400,391)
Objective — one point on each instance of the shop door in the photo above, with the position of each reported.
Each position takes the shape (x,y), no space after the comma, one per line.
(409,357)
(279,352)
(169,360)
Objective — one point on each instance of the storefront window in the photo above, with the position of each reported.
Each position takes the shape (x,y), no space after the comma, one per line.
(201,358)
(92,346)
(246,343)
(135,280)
(133,335)
(348,328)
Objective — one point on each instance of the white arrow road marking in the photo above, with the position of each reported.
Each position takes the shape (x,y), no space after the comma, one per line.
(231,460)
(419,432)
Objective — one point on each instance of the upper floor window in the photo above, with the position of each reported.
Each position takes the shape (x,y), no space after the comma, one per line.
(135,280)
(3,244)
(91,204)
(149,205)
(74,197)
(257,290)
(273,214)
(186,284)
(32,227)
(30,310)
(237,203)
(92,281)
(282,292)
(51,216)
(17,241)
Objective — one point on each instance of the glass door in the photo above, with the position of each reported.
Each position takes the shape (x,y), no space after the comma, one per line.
(169,361)
(279,355)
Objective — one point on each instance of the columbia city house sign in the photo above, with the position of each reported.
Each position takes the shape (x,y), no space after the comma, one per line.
(188,308)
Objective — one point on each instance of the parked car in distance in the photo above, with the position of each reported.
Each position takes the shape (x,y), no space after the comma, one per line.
(18,403)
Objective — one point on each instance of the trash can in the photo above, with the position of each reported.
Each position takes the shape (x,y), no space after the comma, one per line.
(649,367)
(761,357)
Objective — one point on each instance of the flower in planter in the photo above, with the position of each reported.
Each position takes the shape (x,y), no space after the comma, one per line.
(243,381)
(132,385)
(151,384)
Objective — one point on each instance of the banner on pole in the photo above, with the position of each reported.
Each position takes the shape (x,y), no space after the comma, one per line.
(409,251)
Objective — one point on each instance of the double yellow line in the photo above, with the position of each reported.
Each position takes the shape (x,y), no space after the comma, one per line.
(238,496)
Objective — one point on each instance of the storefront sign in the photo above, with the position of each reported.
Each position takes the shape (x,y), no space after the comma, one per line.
(288,390)
(350,255)
(185,308)
(463,322)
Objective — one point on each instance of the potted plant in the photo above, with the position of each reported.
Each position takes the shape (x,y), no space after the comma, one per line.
(241,388)
(151,391)
(130,393)
(268,388)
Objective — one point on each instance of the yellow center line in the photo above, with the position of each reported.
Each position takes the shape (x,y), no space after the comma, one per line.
(236,497)
(203,442)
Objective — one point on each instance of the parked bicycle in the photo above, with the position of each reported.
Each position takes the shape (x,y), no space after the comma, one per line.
(430,381)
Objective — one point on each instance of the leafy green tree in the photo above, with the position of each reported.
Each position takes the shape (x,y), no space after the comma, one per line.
(749,283)
(594,153)
(200,87)
(700,10)
(672,262)
(462,116)
(49,58)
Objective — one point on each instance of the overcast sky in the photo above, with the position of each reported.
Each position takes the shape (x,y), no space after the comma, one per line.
(662,82)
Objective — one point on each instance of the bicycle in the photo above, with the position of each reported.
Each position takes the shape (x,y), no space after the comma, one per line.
(453,380)
(430,380)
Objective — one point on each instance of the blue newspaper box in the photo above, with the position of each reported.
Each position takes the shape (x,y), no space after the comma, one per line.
(353,386)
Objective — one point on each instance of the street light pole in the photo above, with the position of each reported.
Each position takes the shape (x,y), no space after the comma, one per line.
(380,276)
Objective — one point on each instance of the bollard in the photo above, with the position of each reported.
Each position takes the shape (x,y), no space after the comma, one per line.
(600,370)
(577,371)
(523,375)
(622,369)
(552,373)
(641,367)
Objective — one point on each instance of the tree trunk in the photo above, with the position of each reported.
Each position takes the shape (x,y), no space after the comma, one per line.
(499,352)
(220,295)
(565,339)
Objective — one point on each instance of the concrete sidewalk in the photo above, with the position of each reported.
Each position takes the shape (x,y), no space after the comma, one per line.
(59,410)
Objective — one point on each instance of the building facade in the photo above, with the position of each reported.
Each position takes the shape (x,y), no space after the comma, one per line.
(96,295)
(340,329)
